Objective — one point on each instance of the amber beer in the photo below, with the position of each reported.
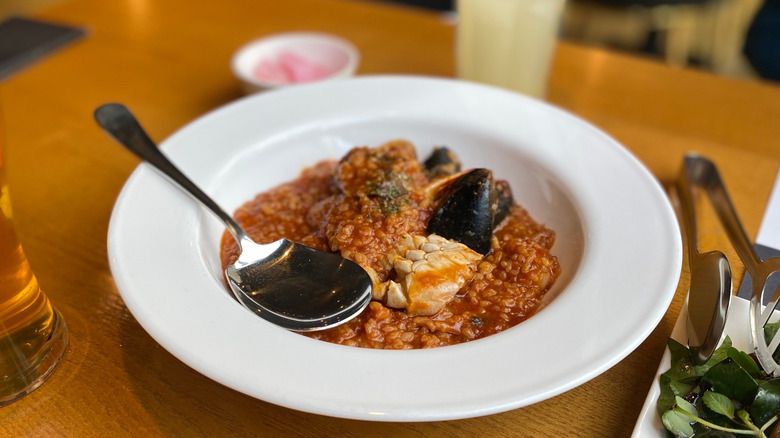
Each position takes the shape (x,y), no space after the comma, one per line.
(33,336)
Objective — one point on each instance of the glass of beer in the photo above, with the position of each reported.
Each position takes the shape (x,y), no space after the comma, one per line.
(33,335)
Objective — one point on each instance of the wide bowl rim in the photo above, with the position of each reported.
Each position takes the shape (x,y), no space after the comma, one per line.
(316,395)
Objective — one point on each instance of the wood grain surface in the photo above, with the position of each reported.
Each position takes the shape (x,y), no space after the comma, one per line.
(168,60)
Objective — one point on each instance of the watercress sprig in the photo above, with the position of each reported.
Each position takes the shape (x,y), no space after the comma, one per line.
(728,396)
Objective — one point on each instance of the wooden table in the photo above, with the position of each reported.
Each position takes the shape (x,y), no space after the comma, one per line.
(168,60)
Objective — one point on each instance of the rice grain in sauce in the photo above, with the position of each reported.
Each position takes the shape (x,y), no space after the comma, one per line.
(360,206)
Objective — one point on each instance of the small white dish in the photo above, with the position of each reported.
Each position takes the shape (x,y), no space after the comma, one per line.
(293,58)
(617,241)
(649,424)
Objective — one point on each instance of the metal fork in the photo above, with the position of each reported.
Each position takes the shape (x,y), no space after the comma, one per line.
(707,177)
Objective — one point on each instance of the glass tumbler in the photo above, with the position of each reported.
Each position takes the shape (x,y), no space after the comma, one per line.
(33,335)
(508,43)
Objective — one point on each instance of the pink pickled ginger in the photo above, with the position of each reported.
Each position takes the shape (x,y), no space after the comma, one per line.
(290,68)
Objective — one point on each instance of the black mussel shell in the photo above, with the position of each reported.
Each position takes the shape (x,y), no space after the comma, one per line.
(505,202)
(441,162)
(465,212)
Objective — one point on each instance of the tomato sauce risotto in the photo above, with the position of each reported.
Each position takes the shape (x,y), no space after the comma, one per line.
(452,256)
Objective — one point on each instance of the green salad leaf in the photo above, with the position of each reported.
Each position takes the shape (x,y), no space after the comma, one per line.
(729,396)
(730,379)
(677,423)
(767,402)
(744,360)
(719,403)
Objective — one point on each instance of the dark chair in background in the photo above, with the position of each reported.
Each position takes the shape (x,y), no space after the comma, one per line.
(762,44)
(710,32)
(438,5)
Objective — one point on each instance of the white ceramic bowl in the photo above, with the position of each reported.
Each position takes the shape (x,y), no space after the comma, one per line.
(293,58)
(617,241)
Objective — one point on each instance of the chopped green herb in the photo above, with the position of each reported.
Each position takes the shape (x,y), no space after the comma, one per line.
(392,192)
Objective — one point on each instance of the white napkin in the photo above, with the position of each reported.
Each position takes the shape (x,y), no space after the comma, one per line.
(767,243)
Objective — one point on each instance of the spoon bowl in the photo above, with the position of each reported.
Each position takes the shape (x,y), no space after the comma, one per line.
(312,281)
(291,285)
(709,294)
(708,302)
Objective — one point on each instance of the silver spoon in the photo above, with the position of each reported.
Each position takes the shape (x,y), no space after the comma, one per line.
(289,284)
(710,284)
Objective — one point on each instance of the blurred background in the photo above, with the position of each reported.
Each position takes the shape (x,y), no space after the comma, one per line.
(736,38)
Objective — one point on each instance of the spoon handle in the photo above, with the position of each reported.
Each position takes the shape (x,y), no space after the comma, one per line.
(687,213)
(119,122)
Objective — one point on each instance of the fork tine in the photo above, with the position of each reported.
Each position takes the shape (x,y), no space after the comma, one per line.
(771,306)
(760,347)
(774,344)
(764,352)
(766,270)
